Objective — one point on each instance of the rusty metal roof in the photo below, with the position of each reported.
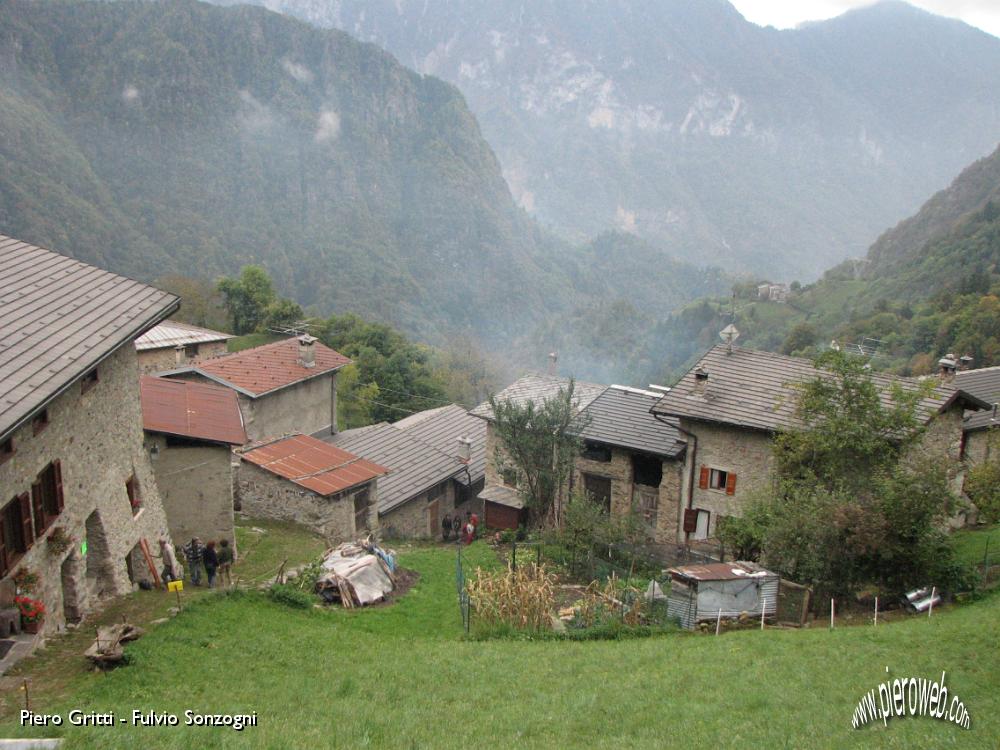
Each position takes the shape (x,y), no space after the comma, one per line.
(258,371)
(193,410)
(721,571)
(60,318)
(313,464)
(171,333)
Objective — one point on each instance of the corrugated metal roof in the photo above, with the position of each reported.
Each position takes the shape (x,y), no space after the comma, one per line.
(443,427)
(171,333)
(539,388)
(416,466)
(258,371)
(313,464)
(59,318)
(755,389)
(984,383)
(620,417)
(721,572)
(194,410)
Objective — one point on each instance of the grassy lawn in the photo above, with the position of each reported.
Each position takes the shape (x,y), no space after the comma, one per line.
(972,545)
(402,676)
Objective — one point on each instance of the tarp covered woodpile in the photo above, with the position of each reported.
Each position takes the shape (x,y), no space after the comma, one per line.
(356,574)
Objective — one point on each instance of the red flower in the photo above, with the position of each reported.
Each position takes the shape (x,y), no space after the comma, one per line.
(31,609)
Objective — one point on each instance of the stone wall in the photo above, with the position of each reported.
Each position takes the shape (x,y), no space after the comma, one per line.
(747,453)
(981,445)
(305,407)
(196,484)
(157,360)
(411,520)
(98,438)
(266,495)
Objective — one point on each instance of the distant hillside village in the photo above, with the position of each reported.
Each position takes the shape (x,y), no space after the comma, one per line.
(122,430)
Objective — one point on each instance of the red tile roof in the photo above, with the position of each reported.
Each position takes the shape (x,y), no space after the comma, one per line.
(205,412)
(266,368)
(313,464)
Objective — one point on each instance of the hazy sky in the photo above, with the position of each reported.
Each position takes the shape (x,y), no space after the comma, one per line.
(785,13)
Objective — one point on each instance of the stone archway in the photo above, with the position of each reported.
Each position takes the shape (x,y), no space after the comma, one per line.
(100,567)
(73,591)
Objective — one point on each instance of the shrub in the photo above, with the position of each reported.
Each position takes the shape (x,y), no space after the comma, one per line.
(290,596)
(983,486)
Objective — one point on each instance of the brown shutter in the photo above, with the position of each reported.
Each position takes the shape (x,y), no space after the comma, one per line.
(25,501)
(3,550)
(731,484)
(703,481)
(37,505)
(690,520)
(57,465)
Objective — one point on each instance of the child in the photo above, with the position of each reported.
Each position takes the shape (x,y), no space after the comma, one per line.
(225,562)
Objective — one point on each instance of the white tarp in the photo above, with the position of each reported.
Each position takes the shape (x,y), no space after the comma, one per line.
(367,574)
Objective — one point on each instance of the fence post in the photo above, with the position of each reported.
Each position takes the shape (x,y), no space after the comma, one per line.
(513,555)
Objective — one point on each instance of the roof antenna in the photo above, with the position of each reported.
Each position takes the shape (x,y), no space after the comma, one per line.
(553,358)
(729,334)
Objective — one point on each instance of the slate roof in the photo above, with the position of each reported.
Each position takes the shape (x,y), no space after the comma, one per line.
(59,318)
(538,388)
(313,464)
(192,410)
(621,417)
(441,428)
(415,466)
(752,389)
(171,333)
(263,369)
(984,383)
(502,495)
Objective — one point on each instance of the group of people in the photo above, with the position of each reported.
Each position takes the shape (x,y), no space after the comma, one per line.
(464,532)
(197,556)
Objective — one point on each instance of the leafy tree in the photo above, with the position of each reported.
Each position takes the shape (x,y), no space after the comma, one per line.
(799,338)
(536,441)
(983,483)
(247,298)
(201,302)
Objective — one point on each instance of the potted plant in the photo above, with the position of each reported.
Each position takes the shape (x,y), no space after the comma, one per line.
(25,580)
(32,613)
(59,541)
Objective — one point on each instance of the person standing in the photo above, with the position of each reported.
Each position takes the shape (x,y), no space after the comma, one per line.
(446,527)
(456,526)
(211,560)
(171,569)
(193,552)
(225,562)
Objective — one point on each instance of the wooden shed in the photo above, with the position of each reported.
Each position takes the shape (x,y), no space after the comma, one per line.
(699,592)
(503,507)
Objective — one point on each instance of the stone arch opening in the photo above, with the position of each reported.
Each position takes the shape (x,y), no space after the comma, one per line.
(73,594)
(100,571)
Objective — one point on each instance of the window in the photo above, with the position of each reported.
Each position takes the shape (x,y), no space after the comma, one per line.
(134,496)
(361,510)
(435,492)
(6,449)
(508,475)
(596,452)
(190,351)
(647,470)
(15,531)
(88,381)
(717,479)
(599,490)
(47,496)
(696,522)
(40,422)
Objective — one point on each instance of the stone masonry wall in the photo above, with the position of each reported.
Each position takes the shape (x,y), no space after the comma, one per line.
(412,519)
(98,438)
(157,360)
(304,407)
(266,495)
(196,485)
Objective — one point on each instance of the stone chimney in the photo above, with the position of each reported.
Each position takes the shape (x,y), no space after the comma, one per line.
(965,362)
(464,450)
(307,350)
(180,355)
(700,381)
(949,366)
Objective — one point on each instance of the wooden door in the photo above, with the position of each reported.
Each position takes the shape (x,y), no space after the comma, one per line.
(434,518)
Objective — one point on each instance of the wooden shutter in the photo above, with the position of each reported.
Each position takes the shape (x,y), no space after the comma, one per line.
(57,466)
(25,502)
(703,480)
(690,520)
(731,484)
(38,505)
(3,550)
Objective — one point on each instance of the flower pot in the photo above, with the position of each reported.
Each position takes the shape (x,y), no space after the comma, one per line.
(31,626)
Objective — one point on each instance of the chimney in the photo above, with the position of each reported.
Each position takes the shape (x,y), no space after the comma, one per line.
(180,355)
(700,381)
(948,365)
(464,450)
(553,358)
(307,350)
(965,362)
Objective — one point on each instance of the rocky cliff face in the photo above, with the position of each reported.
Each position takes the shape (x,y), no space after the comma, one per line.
(780,152)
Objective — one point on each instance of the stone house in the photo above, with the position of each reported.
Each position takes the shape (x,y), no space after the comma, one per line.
(424,483)
(302,479)
(78,498)
(191,429)
(285,387)
(731,404)
(503,504)
(980,428)
(632,461)
(173,344)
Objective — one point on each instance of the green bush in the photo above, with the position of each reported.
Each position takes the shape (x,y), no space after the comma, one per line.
(290,596)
